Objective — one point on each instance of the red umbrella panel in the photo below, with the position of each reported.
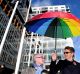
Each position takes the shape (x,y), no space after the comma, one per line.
(55,14)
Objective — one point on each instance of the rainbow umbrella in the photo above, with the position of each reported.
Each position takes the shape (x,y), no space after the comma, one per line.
(55,25)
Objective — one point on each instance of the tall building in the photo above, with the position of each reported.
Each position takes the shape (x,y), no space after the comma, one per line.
(8,55)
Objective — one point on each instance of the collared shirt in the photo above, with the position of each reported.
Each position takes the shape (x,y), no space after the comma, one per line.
(38,68)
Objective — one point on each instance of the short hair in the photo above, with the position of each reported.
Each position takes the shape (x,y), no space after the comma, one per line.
(70,48)
(34,56)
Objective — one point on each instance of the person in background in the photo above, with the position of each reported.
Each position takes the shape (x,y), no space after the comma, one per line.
(37,66)
(66,66)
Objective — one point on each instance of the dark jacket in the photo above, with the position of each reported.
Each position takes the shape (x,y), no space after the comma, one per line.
(65,67)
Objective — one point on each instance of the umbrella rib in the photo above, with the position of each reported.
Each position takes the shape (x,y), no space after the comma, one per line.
(61,28)
(68,26)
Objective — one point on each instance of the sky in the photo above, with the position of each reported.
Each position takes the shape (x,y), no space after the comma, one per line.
(74,6)
(76,42)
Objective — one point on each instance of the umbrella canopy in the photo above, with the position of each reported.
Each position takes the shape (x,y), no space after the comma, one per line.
(55,25)
(55,14)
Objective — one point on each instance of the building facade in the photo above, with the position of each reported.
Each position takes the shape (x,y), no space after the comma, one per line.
(40,44)
(42,9)
(8,55)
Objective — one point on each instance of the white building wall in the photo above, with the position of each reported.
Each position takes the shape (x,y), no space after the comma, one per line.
(42,9)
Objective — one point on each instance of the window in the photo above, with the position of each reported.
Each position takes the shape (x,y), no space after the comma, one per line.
(25,57)
(51,7)
(43,11)
(63,10)
(25,65)
(62,7)
(34,12)
(56,10)
(45,8)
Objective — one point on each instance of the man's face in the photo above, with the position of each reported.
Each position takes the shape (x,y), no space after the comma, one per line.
(39,59)
(68,54)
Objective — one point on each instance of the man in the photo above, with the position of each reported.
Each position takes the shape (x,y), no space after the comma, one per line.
(67,66)
(37,66)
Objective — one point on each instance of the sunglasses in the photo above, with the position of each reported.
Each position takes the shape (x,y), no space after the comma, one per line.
(67,52)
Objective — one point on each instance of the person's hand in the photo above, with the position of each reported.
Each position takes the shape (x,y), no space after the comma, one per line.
(54,56)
